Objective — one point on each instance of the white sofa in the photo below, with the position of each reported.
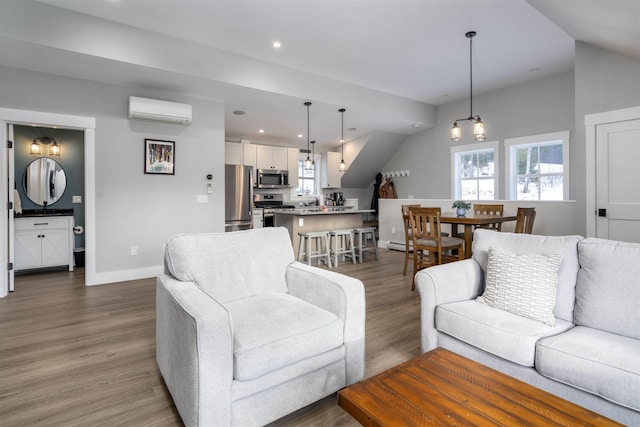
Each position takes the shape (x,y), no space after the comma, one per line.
(246,335)
(591,354)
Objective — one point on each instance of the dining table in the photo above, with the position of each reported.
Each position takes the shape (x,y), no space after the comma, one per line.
(470,221)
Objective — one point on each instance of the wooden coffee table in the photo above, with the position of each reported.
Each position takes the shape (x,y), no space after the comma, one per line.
(441,387)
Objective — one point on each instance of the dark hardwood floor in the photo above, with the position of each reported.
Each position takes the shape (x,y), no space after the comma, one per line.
(72,355)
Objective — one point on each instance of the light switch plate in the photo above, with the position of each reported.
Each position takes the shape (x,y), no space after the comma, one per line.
(76,199)
(202,198)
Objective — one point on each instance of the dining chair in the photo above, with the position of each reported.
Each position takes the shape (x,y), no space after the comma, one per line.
(489,209)
(406,220)
(524,220)
(429,245)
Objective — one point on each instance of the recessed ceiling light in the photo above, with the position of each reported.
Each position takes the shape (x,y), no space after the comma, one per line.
(415,125)
(238,112)
(261,131)
(276,45)
(300,135)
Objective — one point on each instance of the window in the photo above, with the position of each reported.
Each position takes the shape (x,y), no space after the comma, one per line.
(538,167)
(474,170)
(307,179)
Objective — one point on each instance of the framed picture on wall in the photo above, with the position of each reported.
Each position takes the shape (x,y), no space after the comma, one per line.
(159,157)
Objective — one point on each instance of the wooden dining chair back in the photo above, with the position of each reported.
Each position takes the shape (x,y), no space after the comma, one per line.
(525,219)
(429,245)
(489,209)
(407,236)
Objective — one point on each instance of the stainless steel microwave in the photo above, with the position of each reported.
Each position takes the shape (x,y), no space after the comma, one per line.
(272,178)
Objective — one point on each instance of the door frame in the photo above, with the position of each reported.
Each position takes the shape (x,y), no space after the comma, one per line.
(39,118)
(592,121)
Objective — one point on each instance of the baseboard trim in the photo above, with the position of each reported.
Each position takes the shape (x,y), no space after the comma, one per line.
(125,275)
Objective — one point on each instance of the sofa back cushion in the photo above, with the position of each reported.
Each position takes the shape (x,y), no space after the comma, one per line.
(521,244)
(608,288)
(231,266)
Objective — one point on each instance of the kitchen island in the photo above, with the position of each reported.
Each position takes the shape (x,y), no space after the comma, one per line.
(314,219)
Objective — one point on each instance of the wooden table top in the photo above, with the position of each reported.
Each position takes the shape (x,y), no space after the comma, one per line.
(441,387)
(474,218)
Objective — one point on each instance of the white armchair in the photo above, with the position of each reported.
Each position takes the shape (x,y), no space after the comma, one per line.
(245,334)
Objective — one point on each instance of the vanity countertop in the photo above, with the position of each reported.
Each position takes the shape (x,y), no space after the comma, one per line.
(30,213)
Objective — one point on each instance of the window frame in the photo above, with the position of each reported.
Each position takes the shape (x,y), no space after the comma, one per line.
(456,151)
(316,175)
(545,139)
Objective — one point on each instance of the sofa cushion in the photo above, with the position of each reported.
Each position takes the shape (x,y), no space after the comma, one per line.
(271,331)
(520,243)
(498,332)
(230,266)
(522,284)
(608,287)
(602,363)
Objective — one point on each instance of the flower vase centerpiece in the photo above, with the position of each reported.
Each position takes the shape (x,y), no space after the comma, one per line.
(461,207)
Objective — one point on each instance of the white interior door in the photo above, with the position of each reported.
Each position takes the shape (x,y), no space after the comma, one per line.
(617,186)
(10,194)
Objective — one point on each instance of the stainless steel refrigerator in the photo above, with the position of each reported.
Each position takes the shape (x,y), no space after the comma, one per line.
(238,197)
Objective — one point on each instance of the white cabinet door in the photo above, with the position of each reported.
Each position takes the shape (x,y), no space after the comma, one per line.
(331,175)
(279,158)
(55,247)
(232,153)
(264,156)
(249,157)
(28,249)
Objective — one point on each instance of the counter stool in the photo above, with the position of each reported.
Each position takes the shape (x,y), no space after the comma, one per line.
(305,248)
(342,244)
(362,236)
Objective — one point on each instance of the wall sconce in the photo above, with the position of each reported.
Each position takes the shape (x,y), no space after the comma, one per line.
(54,149)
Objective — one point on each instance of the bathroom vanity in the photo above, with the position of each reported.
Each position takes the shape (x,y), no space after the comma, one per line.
(43,240)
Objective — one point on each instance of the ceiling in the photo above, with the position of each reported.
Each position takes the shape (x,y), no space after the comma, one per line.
(388,62)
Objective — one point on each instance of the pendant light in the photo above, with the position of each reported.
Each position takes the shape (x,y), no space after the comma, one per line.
(307,163)
(343,165)
(478,125)
(313,155)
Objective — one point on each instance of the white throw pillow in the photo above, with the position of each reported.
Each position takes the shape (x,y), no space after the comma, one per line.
(522,284)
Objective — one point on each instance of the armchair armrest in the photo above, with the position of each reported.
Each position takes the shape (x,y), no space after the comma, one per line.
(456,281)
(194,350)
(339,294)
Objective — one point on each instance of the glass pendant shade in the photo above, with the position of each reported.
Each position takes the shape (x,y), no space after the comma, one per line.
(478,129)
(343,166)
(54,150)
(35,148)
(307,163)
(455,132)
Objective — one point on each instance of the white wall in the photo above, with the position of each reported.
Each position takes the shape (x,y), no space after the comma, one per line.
(537,107)
(133,208)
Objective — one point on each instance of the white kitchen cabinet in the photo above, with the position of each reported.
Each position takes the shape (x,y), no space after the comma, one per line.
(232,153)
(331,175)
(268,157)
(249,156)
(292,166)
(45,241)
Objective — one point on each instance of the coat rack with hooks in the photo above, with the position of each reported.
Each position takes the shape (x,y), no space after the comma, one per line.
(395,174)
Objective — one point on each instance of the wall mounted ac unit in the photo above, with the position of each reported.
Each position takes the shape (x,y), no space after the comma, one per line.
(159,111)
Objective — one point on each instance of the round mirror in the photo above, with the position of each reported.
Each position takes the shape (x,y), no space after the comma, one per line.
(44,181)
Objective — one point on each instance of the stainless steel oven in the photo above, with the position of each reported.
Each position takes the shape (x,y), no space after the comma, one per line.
(272,178)
(270,203)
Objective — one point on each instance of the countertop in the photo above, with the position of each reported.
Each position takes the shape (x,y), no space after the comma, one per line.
(32,213)
(329,211)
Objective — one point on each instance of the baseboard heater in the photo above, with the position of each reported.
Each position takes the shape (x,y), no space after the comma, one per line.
(397,246)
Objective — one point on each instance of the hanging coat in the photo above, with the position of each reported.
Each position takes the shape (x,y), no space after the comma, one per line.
(376,192)
(387,190)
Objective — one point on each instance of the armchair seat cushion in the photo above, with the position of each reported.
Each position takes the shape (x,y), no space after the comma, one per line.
(498,332)
(271,331)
